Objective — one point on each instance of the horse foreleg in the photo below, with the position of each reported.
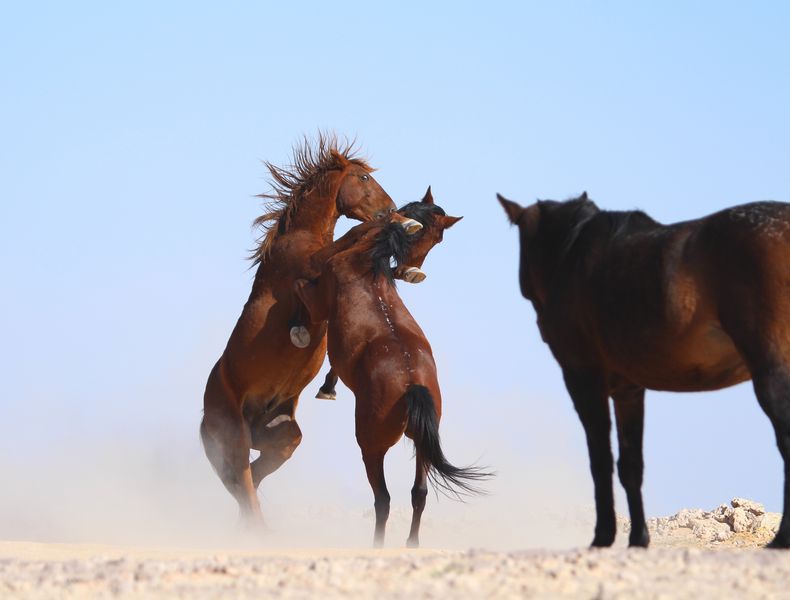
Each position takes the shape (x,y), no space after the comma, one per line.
(277,440)
(374,466)
(327,391)
(419,493)
(629,411)
(591,402)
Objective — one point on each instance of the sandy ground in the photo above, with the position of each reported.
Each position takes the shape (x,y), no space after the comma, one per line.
(692,556)
(78,571)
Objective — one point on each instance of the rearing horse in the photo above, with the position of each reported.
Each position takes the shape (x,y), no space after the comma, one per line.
(382,355)
(252,391)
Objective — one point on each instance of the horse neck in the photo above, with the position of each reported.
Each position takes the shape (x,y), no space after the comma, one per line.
(317,211)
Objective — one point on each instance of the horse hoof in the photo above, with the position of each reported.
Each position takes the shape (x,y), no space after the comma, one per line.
(300,337)
(778,543)
(414,275)
(412,543)
(602,541)
(322,395)
(411,226)
(639,538)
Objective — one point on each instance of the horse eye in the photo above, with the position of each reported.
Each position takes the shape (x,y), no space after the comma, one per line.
(364,177)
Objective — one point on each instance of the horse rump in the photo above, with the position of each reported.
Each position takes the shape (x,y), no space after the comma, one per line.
(423,427)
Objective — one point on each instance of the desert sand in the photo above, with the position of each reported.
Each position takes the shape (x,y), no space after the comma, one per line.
(694,554)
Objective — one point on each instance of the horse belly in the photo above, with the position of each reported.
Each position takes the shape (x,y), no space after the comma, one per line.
(703,359)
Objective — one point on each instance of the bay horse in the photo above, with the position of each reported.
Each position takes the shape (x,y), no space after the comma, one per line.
(627,304)
(253,389)
(434,221)
(382,355)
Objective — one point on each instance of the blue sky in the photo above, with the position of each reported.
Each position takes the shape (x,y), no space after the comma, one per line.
(133,140)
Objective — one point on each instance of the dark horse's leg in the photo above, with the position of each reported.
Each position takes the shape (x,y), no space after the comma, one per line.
(277,436)
(772,386)
(419,492)
(327,391)
(592,405)
(374,466)
(629,412)
(762,338)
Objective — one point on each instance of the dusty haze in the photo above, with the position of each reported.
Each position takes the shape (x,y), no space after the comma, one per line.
(157,488)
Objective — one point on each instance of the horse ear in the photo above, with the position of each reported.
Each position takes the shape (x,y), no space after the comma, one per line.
(584,196)
(310,295)
(448,221)
(428,197)
(512,209)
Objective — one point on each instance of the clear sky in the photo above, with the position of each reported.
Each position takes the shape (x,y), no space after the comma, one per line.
(132,140)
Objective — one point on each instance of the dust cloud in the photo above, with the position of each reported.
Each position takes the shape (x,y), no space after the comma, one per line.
(154,487)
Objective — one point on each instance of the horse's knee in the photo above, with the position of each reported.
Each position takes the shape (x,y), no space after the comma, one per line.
(282,435)
(293,438)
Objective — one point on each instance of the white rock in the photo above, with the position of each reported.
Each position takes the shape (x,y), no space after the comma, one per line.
(749,505)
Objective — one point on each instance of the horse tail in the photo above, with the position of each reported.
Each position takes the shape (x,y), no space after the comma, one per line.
(423,427)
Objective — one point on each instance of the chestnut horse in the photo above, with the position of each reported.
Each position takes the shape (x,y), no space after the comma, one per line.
(628,304)
(434,221)
(252,391)
(381,354)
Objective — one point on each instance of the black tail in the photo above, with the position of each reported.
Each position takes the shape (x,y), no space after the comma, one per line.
(423,426)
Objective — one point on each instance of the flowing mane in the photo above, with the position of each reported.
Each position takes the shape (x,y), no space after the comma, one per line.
(311,163)
(392,243)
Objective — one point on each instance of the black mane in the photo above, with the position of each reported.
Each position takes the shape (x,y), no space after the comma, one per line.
(394,242)
(391,242)
(623,223)
(421,211)
(614,225)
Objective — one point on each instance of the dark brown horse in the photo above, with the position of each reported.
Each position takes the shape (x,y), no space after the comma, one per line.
(628,304)
(381,354)
(434,221)
(252,391)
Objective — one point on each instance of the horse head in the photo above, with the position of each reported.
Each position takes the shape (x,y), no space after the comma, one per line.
(359,195)
(547,230)
(434,221)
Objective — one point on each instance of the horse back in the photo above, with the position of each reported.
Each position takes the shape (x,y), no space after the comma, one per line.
(668,307)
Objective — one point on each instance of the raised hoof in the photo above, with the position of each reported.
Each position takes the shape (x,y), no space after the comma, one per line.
(413,275)
(322,395)
(411,226)
(300,336)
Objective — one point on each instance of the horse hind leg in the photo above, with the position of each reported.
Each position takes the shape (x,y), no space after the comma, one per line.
(772,387)
(419,494)
(374,467)
(629,410)
(762,340)
(276,439)
(226,444)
